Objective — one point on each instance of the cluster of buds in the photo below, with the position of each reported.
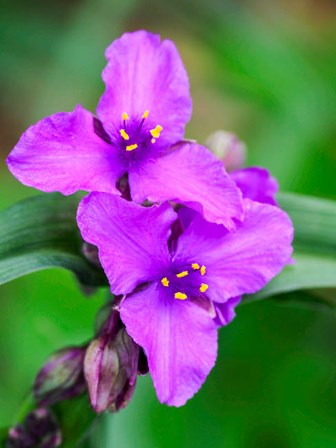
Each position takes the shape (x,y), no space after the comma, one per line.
(107,367)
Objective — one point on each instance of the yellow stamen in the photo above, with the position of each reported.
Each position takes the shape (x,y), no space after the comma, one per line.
(180,296)
(203,270)
(124,134)
(165,281)
(125,116)
(156,131)
(153,140)
(203,287)
(195,266)
(182,274)
(131,147)
(145,114)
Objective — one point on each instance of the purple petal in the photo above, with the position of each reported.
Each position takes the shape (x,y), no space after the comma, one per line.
(179,339)
(63,153)
(225,312)
(241,262)
(256,184)
(191,175)
(131,239)
(142,74)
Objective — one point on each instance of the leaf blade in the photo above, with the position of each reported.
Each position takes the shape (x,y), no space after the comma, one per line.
(314,222)
(308,272)
(41,233)
(314,255)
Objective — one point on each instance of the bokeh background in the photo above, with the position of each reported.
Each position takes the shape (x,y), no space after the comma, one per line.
(265,70)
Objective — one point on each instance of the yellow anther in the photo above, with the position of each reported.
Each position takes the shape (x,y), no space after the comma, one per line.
(153,140)
(145,114)
(195,266)
(165,281)
(180,296)
(182,274)
(203,270)
(124,134)
(125,116)
(131,147)
(203,287)
(156,131)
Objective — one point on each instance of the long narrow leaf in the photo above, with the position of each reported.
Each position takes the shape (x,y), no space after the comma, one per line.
(41,232)
(314,255)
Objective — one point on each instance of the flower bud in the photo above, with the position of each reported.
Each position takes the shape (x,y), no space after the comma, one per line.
(110,366)
(39,430)
(61,377)
(227,148)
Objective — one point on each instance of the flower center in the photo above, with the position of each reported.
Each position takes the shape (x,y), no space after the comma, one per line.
(186,283)
(135,134)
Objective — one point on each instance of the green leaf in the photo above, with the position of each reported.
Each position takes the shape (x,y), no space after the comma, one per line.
(322,300)
(308,272)
(314,265)
(314,221)
(40,233)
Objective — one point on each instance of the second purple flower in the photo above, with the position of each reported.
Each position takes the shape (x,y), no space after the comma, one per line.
(181,278)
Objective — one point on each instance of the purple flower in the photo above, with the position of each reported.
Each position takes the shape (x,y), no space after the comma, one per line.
(181,278)
(138,132)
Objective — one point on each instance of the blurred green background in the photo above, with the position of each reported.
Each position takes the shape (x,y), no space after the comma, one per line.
(264,70)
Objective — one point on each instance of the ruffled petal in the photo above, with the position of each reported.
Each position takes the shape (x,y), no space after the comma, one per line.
(179,339)
(132,240)
(256,184)
(240,262)
(63,153)
(190,175)
(225,312)
(142,74)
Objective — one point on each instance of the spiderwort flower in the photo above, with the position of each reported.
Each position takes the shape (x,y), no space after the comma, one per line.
(138,130)
(180,285)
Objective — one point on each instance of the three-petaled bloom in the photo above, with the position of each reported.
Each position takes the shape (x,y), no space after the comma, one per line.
(141,119)
(181,277)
